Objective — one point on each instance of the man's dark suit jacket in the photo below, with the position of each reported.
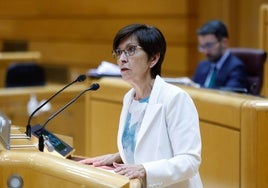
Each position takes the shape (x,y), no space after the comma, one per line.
(231,75)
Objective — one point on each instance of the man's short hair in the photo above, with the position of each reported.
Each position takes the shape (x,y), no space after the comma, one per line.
(214,27)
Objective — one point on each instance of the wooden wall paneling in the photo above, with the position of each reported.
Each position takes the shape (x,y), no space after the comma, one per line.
(106,106)
(94,7)
(263,26)
(17,8)
(176,30)
(210,9)
(103,130)
(214,164)
(61,34)
(249,22)
(74,54)
(175,63)
(227,106)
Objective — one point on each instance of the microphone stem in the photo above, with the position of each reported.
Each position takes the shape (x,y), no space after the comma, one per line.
(65,106)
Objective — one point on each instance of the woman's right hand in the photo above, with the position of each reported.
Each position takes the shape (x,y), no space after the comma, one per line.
(103,160)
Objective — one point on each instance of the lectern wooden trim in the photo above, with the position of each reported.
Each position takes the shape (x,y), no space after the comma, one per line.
(39,169)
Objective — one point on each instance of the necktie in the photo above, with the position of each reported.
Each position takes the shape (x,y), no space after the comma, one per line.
(212,76)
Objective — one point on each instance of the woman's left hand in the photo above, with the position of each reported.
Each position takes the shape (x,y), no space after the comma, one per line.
(131,171)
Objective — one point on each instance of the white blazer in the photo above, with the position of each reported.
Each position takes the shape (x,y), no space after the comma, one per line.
(169,143)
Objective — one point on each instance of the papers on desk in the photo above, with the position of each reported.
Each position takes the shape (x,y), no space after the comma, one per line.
(182,80)
(105,69)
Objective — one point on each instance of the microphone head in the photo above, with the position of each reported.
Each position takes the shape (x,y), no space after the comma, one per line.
(81,78)
(94,86)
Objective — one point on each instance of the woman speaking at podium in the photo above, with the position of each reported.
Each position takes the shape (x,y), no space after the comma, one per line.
(159,139)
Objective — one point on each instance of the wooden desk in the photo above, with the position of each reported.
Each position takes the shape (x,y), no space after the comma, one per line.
(8,57)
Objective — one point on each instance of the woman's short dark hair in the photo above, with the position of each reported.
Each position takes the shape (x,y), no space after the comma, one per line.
(149,38)
(215,27)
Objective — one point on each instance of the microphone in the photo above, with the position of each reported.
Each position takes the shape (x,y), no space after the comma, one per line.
(93,87)
(80,78)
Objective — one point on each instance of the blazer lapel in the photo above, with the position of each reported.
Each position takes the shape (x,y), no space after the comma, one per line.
(152,111)
(151,114)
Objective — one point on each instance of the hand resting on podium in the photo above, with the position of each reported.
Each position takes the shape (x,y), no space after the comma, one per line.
(114,162)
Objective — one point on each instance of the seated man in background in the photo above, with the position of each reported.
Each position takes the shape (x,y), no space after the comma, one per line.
(221,69)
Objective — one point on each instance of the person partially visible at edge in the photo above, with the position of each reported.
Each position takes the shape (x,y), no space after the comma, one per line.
(230,71)
(159,138)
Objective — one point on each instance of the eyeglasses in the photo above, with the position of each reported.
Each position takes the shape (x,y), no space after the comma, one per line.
(129,51)
(207,46)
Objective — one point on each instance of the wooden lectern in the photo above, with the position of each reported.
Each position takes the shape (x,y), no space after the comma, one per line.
(32,168)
